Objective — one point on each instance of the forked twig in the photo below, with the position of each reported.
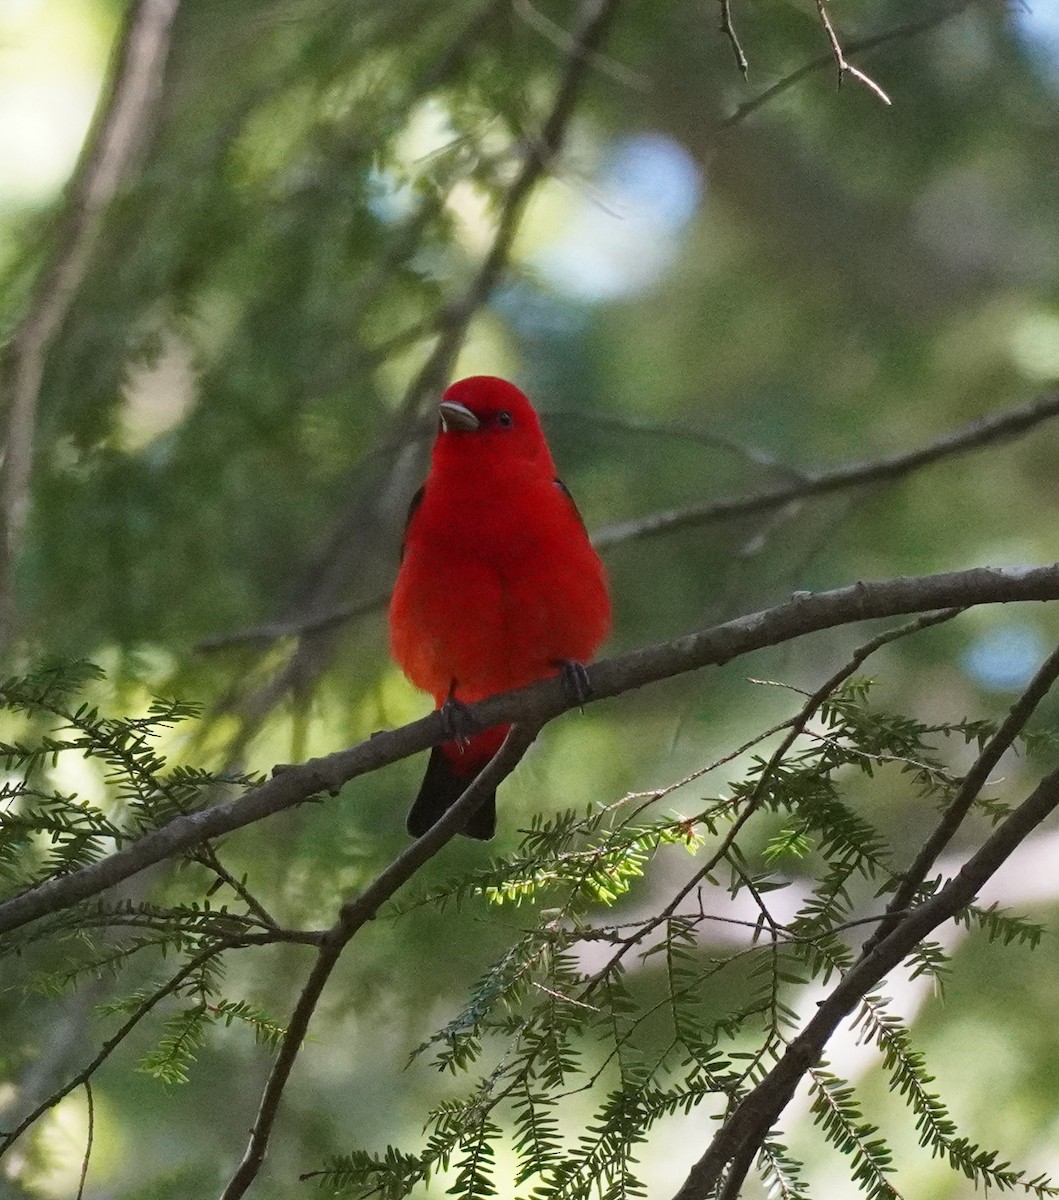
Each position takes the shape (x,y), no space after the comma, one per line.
(858,46)
(844,66)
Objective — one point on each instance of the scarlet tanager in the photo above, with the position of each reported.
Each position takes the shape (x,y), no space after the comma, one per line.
(498,586)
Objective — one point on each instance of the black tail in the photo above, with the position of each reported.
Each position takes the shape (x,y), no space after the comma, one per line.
(441,788)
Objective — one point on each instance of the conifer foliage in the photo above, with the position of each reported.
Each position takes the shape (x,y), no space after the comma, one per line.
(778,277)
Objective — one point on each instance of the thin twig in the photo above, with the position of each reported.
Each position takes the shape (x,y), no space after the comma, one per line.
(272,631)
(753,455)
(985,431)
(655,794)
(564,41)
(898,33)
(207,856)
(972,784)
(8,1138)
(844,67)
(728,29)
(353,915)
(795,728)
(119,129)
(88,1142)
(751,1120)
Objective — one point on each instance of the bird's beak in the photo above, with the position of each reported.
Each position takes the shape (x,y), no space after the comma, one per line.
(457,416)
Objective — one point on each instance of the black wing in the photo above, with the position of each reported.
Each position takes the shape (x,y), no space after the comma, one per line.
(417,500)
(569,495)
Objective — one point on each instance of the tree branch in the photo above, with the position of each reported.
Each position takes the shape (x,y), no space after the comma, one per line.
(968,792)
(822,62)
(272,631)
(120,127)
(986,431)
(728,29)
(353,915)
(742,1134)
(844,67)
(88,1141)
(539,703)
(355,528)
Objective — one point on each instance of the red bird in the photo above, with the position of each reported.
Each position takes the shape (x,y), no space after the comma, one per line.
(498,586)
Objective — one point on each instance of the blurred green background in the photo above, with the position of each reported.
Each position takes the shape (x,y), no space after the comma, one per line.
(700,308)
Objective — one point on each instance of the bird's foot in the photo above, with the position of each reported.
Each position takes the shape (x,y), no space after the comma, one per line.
(456,718)
(575,681)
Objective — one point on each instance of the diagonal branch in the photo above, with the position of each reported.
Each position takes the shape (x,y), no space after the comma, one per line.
(539,703)
(272,631)
(845,67)
(968,792)
(899,33)
(354,914)
(119,131)
(742,1134)
(594,20)
(987,430)
(355,529)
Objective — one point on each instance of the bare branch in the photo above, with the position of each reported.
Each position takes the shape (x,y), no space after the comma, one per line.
(749,453)
(121,125)
(844,68)
(559,37)
(539,703)
(206,854)
(898,33)
(594,20)
(88,1142)
(728,29)
(272,631)
(986,431)
(354,914)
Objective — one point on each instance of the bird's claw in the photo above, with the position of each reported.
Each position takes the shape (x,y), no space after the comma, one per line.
(575,681)
(457,721)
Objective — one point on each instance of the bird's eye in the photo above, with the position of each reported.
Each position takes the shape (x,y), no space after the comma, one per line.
(505,420)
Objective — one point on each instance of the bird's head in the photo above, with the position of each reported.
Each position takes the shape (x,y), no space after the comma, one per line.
(486,415)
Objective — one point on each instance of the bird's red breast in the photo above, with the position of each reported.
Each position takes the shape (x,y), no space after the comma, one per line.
(498,582)
(498,585)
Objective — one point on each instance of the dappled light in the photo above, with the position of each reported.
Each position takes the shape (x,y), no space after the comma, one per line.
(769,906)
